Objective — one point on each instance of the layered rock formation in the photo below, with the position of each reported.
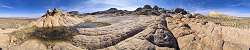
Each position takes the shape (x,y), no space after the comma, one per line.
(112,35)
(55,25)
(55,18)
(159,30)
(197,34)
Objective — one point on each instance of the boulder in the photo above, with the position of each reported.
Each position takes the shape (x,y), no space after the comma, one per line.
(156,8)
(147,7)
(138,9)
(180,10)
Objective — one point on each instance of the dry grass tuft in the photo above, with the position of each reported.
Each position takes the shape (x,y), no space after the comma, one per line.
(230,21)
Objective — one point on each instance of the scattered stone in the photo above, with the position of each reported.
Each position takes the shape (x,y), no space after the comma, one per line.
(204,23)
(178,16)
(188,16)
(2,29)
(184,26)
(198,16)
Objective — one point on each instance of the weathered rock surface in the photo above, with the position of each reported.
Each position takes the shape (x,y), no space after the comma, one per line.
(209,36)
(148,29)
(4,42)
(56,17)
(65,46)
(98,38)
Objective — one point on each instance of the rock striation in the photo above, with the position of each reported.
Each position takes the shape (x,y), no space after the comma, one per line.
(100,38)
(56,17)
(149,28)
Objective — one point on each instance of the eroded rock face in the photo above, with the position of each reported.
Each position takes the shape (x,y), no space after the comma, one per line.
(175,30)
(55,24)
(56,17)
(192,34)
(102,37)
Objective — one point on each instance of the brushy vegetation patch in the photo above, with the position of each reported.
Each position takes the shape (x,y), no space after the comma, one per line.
(48,35)
(230,21)
(22,35)
(54,32)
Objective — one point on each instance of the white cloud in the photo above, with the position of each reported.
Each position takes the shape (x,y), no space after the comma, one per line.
(121,4)
(5,6)
(224,11)
(99,5)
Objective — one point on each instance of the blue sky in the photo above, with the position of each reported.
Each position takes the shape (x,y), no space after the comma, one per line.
(35,8)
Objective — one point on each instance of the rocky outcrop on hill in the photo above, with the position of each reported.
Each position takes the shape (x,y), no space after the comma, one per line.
(56,17)
(148,10)
(180,10)
(111,11)
(145,10)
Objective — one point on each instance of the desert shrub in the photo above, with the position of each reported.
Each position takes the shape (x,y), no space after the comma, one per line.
(48,35)
(54,32)
(229,21)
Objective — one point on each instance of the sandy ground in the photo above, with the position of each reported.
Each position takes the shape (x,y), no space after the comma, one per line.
(7,31)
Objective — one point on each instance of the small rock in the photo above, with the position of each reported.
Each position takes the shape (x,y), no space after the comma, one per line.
(178,16)
(188,16)
(184,26)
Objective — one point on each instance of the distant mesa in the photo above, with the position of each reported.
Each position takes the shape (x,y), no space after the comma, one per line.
(74,12)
